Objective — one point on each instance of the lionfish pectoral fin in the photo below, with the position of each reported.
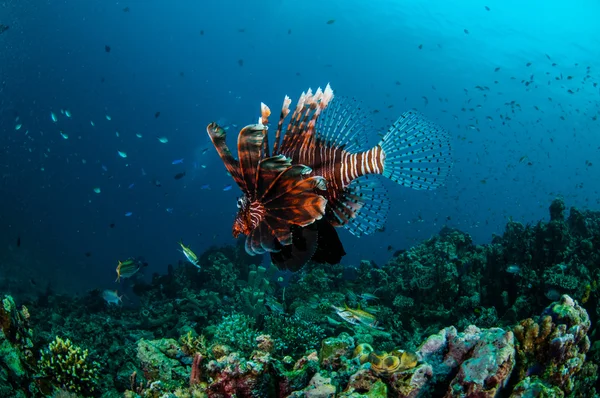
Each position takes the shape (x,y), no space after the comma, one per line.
(217,135)
(363,207)
(250,141)
(261,240)
(417,152)
(268,171)
(295,255)
(289,183)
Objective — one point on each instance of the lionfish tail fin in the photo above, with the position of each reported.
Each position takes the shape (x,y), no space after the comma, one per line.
(417,152)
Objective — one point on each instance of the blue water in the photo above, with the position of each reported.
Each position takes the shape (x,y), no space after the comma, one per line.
(53,57)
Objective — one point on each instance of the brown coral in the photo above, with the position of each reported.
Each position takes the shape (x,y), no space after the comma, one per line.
(554,347)
(383,363)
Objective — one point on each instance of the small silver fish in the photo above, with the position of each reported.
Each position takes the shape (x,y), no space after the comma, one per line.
(513,269)
(112,297)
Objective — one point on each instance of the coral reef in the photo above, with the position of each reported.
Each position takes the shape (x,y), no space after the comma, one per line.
(524,311)
(66,366)
(16,346)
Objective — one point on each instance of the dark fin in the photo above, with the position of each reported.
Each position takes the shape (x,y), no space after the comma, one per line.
(300,133)
(343,125)
(217,136)
(329,248)
(250,142)
(362,208)
(417,152)
(303,246)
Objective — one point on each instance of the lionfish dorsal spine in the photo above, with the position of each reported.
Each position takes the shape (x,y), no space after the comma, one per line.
(265,112)
(285,111)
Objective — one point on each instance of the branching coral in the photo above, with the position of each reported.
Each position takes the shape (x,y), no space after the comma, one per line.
(68,367)
(192,345)
(236,331)
(292,334)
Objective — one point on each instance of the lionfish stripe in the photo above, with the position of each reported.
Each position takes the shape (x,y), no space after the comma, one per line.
(286,182)
(268,171)
(285,110)
(250,142)
(416,152)
(261,240)
(217,136)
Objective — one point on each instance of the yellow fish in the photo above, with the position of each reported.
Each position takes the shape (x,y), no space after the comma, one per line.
(127,268)
(356,316)
(189,254)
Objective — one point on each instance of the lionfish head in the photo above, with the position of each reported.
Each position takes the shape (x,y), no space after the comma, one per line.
(248,217)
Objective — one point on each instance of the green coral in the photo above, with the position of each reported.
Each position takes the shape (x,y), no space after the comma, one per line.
(293,335)
(253,295)
(68,367)
(237,331)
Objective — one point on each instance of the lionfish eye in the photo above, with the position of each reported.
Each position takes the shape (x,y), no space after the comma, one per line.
(240,203)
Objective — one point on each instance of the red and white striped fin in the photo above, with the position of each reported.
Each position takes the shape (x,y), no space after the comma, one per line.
(268,171)
(262,240)
(300,132)
(218,137)
(285,111)
(417,152)
(250,142)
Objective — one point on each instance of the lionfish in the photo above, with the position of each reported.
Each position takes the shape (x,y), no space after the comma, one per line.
(318,175)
